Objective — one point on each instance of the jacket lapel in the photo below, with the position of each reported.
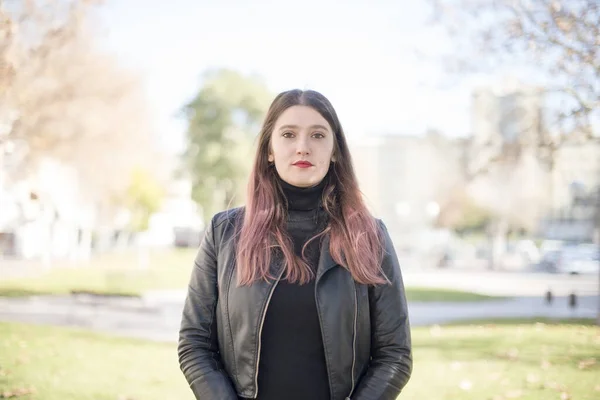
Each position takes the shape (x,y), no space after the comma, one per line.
(326,262)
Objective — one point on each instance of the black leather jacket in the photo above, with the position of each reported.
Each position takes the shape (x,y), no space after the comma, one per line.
(365,329)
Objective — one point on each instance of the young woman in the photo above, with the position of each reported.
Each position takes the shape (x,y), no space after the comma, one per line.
(297,295)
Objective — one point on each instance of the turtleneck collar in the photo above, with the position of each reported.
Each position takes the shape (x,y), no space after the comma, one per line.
(302,198)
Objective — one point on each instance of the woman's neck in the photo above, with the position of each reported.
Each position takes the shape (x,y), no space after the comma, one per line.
(302,198)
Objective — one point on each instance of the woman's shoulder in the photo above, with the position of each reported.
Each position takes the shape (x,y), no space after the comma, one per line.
(229,216)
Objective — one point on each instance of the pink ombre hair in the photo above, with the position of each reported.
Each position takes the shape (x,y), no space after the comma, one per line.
(356,241)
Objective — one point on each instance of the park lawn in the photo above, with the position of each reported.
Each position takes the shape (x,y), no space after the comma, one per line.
(418,294)
(111,274)
(120,274)
(512,360)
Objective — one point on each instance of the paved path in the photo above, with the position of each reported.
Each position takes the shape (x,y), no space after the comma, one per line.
(157,315)
(505,283)
(127,317)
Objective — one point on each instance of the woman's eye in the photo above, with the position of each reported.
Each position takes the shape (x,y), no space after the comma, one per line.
(318,135)
(288,134)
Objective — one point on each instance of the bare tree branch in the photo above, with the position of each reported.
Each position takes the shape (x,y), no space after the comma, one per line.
(63,98)
(560,39)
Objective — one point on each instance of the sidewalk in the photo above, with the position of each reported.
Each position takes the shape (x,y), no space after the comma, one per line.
(157,315)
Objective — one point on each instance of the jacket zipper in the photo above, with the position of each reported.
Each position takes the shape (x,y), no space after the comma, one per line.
(262,321)
(354,341)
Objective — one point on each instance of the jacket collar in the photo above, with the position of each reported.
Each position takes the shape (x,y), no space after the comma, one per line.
(326,262)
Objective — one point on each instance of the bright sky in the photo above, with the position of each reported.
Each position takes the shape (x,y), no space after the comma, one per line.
(360,54)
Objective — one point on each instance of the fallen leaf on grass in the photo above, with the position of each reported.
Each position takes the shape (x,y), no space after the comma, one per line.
(583,364)
(555,386)
(466,384)
(511,354)
(435,331)
(532,378)
(539,326)
(514,394)
(23,359)
(7,394)
(494,376)
(454,365)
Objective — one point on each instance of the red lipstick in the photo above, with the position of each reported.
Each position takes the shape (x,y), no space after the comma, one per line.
(303,164)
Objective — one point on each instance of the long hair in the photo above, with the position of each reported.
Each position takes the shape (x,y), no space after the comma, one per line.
(356,242)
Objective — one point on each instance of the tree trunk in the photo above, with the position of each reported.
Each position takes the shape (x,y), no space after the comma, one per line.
(597,240)
(498,233)
(598,316)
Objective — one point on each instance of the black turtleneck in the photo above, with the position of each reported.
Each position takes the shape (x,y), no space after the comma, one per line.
(292,361)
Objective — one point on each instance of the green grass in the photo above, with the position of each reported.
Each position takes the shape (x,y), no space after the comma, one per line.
(520,321)
(507,360)
(112,274)
(69,364)
(495,360)
(119,274)
(434,294)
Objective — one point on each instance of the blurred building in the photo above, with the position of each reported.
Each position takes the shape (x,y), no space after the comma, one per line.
(510,116)
(575,187)
(503,116)
(404,179)
(178,221)
(43,215)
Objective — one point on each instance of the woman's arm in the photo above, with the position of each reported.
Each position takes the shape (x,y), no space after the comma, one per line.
(198,349)
(391,355)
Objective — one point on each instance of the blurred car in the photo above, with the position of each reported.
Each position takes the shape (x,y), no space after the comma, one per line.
(551,245)
(580,260)
(528,250)
(549,261)
(576,259)
(187,237)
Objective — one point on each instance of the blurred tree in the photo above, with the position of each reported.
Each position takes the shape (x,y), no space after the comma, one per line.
(560,42)
(516,194)
(462,214)
(63,98)
(223,118)
(142,198)
(60,95)
(559,39)
(51,77)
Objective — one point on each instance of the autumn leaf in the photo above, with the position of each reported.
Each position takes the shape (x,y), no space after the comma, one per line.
(583,364)
(8,394)
(514,394)
(466,384)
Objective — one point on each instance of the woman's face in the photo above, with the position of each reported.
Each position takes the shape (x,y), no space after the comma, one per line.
(302,144)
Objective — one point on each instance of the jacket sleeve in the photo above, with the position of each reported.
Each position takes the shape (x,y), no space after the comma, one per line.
(391,353)
(198,349)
